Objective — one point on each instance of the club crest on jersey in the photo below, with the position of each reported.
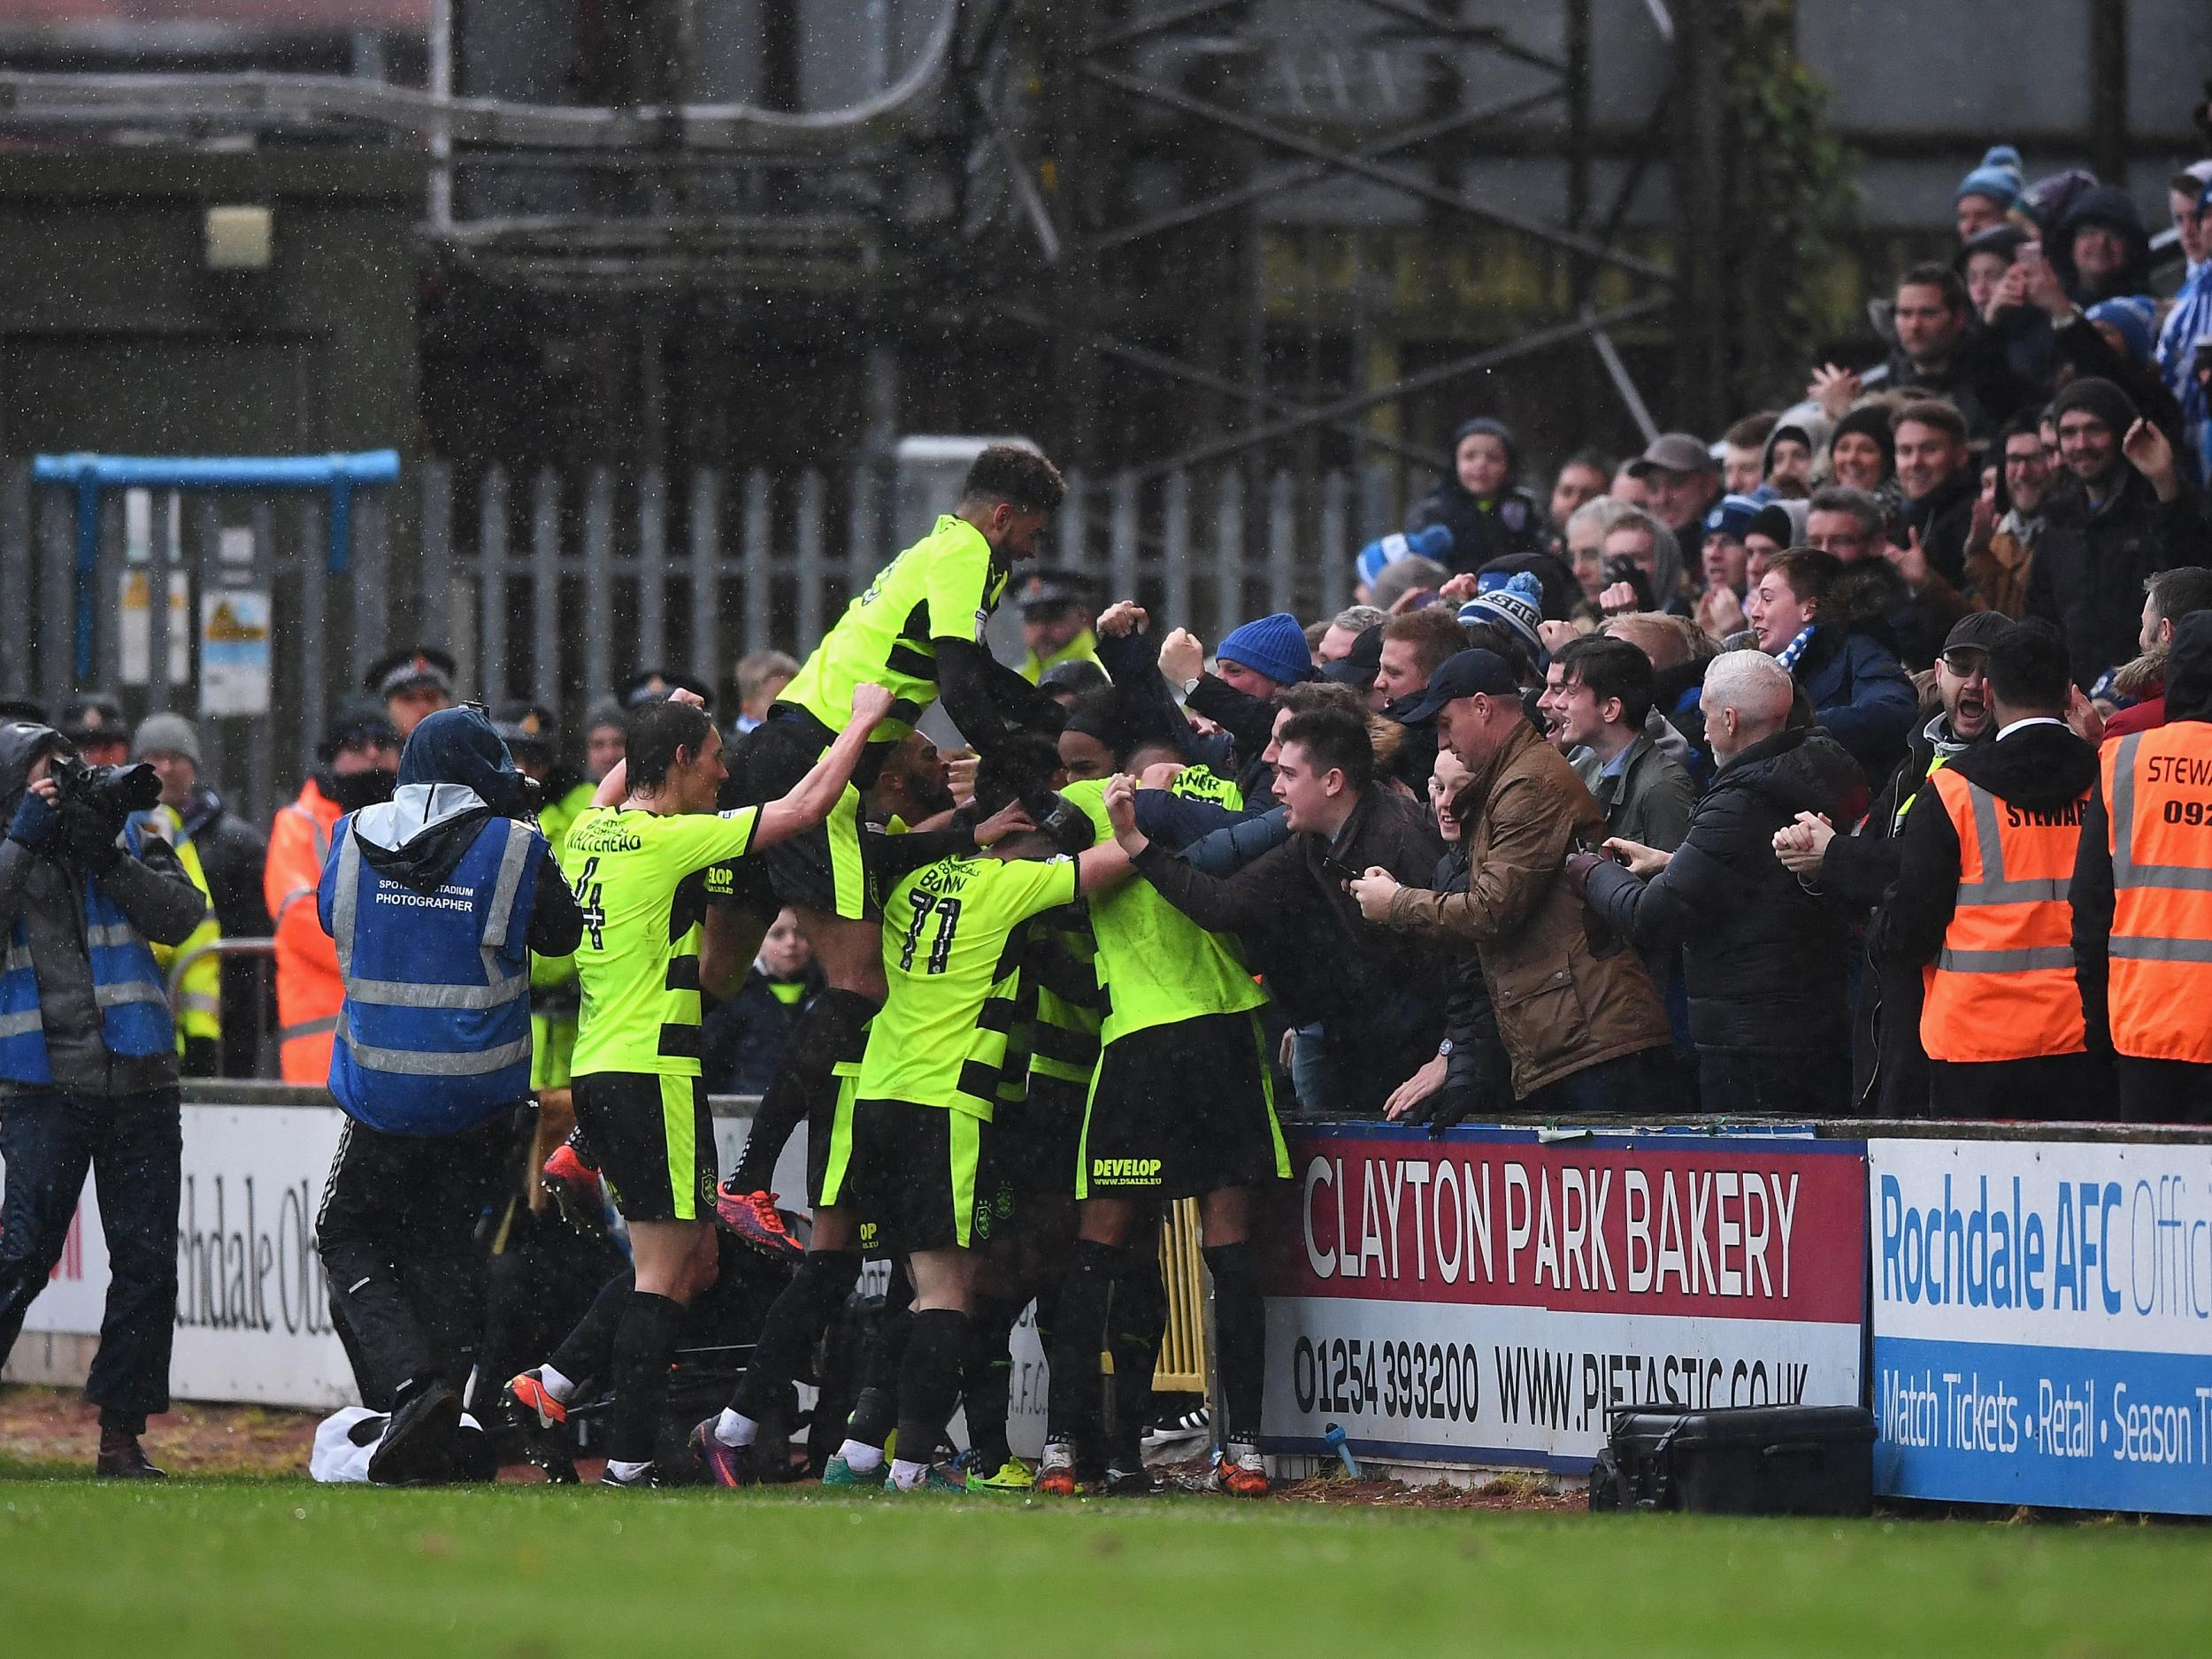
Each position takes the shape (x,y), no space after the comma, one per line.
(1515,513)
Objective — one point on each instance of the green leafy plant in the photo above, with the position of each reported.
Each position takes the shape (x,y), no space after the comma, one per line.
(1790,200)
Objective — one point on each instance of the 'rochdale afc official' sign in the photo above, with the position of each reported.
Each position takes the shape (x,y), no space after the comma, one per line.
(1488,1298)
(2043,1322)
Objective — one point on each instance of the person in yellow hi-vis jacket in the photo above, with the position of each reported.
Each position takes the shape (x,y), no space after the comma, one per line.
(197,1000)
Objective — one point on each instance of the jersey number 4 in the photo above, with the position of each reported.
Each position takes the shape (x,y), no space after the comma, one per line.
(588,893)
(947,912)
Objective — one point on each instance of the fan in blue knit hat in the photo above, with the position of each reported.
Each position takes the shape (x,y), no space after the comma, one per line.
(1435,542)
(1517,603)
(1986,195)
(2129,325)
(1273,647)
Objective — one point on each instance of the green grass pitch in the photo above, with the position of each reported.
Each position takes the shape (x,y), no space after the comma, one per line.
(277,1567)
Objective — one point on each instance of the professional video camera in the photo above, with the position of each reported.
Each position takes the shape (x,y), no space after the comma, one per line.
(107,791)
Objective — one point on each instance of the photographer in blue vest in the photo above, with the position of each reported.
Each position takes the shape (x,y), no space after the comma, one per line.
(435,901)
(89,1060)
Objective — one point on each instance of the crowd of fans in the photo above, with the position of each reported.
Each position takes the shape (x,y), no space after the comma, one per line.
(1729,648)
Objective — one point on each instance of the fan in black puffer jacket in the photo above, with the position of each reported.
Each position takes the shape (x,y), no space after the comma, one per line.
(1763,958)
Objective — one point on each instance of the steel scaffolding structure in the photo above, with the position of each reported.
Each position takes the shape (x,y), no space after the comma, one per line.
(1146,159)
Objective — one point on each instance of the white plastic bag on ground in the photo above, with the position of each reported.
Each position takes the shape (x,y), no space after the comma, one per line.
(343,1442)
(346,1440)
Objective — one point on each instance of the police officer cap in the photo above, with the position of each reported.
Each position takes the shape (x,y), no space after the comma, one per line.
(528,729)
(403,669)
(1051,589)
(95,716)
(654,685)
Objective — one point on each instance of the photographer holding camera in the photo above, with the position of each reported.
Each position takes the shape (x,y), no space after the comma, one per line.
(435,901)
(89,1060)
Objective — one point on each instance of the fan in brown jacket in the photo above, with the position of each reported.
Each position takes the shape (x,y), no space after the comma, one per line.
(1585,1032)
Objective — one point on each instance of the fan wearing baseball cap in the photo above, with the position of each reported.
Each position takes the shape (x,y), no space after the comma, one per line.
(1684,481)
(1584,1031)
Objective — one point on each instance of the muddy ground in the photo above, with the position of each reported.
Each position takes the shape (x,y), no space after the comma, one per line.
(48,1427)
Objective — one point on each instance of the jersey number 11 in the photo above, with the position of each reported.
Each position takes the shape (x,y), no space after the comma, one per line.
(947,913)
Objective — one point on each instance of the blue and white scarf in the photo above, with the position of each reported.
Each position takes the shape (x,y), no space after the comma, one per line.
(1789,654)
(2190,321)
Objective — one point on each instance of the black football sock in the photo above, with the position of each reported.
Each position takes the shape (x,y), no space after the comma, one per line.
(828,1032)
(885,1352)
(1079,1336)
(876,1411)
(642,1344)
(987,1381)
(587,1351)
(1047,1314)
(797,1318)
(1140,1322)
(1241,1334)
(929,1381)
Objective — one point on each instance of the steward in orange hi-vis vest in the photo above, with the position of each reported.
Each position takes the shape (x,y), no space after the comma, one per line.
(2002,986)
(2143,897)
(2158,798)
(1984,904)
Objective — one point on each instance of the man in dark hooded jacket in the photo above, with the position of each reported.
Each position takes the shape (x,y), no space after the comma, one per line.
(2101,250)
(1763,958)
(1376,995)
(2123,513)
(435,900)
(89,1072)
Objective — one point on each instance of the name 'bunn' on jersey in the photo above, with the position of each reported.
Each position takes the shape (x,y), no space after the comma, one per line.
(948,876)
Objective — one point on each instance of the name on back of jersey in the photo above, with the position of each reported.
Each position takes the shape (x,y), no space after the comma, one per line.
(953,875)
(605,835)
